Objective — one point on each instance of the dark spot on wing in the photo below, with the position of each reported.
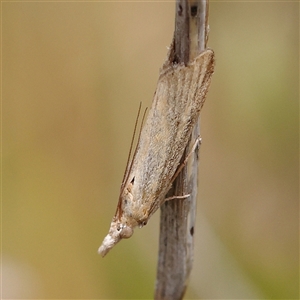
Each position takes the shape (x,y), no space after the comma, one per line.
(192,230)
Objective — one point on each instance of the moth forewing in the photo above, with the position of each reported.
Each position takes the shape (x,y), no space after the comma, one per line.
(180,94)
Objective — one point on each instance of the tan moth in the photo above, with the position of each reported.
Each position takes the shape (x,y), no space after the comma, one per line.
(179,96)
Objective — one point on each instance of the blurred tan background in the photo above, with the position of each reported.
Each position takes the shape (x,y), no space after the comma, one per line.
(73,75)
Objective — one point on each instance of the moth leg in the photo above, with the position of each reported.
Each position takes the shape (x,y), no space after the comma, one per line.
(177,197)
(183,164)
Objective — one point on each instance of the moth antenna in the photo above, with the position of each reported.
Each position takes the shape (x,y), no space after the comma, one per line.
(131,145)
(135,151)
(129,163)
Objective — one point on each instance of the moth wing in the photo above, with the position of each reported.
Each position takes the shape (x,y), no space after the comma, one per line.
(179,97)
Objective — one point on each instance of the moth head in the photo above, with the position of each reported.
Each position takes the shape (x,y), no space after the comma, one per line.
(116,232)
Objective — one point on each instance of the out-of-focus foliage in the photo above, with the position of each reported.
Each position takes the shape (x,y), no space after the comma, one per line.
(73,75)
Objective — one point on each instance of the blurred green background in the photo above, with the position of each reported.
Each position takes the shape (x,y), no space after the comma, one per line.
(73,74)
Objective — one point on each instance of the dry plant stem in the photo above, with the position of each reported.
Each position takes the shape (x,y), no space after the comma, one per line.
(177,220)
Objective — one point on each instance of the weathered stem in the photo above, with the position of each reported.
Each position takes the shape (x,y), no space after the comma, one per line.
(177,220)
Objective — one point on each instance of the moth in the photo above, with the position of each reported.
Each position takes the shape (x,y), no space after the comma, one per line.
(179,96)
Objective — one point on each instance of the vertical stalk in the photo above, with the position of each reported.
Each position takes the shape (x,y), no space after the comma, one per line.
(177,220)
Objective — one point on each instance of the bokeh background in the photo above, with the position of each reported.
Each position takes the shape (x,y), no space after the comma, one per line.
(73,74)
